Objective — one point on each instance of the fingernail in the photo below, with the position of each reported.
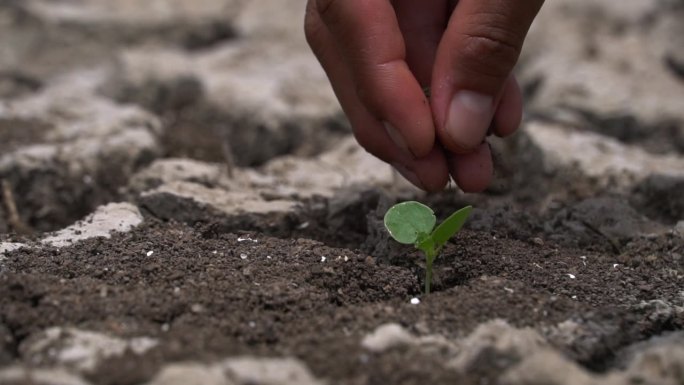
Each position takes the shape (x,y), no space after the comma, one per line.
(409,175)
(397,138)
(470,115)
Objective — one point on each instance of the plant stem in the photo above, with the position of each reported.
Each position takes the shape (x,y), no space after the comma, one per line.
(429,258)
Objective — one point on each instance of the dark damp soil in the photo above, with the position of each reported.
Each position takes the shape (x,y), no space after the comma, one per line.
(209,294)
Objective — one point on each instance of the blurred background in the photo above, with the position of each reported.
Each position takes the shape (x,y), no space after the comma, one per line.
(210,65)
(118,84)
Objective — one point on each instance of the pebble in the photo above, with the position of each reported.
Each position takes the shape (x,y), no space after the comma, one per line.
(415,301)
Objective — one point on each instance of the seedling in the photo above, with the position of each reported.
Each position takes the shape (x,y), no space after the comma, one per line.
(414,223)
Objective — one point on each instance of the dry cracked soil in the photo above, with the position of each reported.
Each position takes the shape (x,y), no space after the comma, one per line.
(182,203)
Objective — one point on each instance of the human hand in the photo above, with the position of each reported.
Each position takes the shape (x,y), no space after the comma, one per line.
(380,54)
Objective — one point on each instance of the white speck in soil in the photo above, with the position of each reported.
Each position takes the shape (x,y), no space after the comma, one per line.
(574,297)
(615,265)
(571,276)
(508,289)
(323,259)
(346,258)
(268,257)
(303,226)
(149,253)
(584,259)
(165,327)
(252,324)
(537,265)
(243,256)
(176,290)
(215,252)
(415,301)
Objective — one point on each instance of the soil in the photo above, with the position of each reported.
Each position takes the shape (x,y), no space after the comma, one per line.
(208,293)
(538,250)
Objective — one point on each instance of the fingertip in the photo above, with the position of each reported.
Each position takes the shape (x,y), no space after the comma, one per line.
(433,170)
(473,172)
(430,173)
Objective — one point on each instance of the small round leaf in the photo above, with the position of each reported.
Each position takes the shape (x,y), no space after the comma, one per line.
(406,221)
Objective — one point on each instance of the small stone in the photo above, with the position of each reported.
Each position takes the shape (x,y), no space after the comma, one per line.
(415,301)
(387,336)
(572,276)
(679,229)
(243,256)
(149,253)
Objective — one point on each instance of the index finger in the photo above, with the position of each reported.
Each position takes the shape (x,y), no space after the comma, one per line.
(368,36)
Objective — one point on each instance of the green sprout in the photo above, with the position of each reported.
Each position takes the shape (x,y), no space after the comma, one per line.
(413,223)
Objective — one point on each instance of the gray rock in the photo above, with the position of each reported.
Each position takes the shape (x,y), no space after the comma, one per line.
(609,163)
(114,217)
(546,367)
(79,350)
(610,218)
(679,228)
(189,202)
(582,340)
(496,345)
(662,363)
(43,37)
(277,188)
(191,374)
(659,312)
(165,171)
(87,149)
(24,375)
(6,247)
(635,352)
(386,337)
(262,95)
(606,59)
(238,371)
(268,371)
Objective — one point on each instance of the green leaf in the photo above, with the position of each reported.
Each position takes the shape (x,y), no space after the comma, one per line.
(407,220)
(450,226)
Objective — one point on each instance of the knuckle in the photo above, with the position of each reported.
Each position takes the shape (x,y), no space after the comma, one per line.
(490,52)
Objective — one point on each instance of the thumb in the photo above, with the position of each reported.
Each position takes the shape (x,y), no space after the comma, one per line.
(474,60)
